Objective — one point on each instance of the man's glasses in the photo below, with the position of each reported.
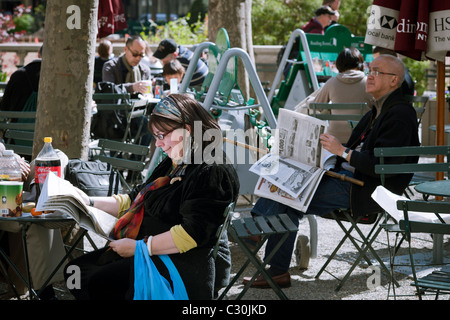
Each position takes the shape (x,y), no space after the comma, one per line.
(375,73)
(134,54)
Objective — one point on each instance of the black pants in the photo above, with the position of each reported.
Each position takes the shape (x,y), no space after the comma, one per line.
(104,276)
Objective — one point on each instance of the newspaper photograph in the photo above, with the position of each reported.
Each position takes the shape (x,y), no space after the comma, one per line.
(292,171)
(287,174)
(299,137)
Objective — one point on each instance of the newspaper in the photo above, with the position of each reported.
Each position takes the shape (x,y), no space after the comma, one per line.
(60,195)
(292,171)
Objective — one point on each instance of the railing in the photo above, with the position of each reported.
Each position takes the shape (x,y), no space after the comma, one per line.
(265,56)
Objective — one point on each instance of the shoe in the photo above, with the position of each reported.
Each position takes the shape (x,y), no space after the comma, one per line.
(283,280)
(252,241)
(48,294)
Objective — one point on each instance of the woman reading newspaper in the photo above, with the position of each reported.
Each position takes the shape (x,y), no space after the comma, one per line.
(176,212)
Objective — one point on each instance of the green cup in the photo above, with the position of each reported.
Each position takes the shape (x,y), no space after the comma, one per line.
(11,198)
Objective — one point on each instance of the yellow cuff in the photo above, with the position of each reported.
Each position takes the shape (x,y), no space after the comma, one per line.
(183,241)
(124,203)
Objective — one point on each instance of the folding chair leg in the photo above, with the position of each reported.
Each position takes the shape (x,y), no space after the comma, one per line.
(242,229)
(5,272)
(261,268)
(244,266)
(347,233)
(367,245)
(62,261)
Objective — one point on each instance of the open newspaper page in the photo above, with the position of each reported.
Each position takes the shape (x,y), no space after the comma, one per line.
(292,171)
(60,195)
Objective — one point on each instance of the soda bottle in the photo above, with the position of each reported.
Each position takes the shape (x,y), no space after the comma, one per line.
(46,161)
(11,185)
(159,82)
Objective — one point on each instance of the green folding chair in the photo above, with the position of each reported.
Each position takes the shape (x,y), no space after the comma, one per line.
(126,158)
(438,281)
(241,229)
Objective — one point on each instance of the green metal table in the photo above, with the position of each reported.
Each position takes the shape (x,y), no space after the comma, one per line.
(435,188)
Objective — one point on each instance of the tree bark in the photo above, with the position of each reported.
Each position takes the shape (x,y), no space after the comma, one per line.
(235,17)
(65,86)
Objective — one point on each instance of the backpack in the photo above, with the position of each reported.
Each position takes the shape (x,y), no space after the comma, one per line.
(95,178)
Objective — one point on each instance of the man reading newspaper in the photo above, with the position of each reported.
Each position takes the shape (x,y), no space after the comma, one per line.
(390,123)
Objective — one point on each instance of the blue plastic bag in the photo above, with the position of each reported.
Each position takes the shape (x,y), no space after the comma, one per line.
(149,284)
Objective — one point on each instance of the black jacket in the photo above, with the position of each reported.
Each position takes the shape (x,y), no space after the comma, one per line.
(197,202)
(396,126)
(21,85)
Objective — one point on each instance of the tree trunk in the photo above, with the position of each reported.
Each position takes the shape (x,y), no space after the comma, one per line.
(65,86)
(235,17)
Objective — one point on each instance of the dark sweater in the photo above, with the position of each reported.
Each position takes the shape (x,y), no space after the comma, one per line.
(396,126)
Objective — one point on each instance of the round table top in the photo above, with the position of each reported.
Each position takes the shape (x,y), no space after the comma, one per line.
(50,221)
(435,188)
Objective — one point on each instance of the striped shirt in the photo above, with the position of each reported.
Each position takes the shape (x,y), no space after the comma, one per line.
(185,56)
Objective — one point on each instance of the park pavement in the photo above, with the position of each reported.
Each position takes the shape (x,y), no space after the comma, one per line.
(361,285)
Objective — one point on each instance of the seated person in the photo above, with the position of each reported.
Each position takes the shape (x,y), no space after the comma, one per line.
(105,53)
(128,68)
(23,86)
(178,210)
(168,51)
(349,86)
(173,70)
(390,123)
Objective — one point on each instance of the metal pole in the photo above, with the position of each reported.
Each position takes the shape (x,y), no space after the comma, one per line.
(296,33)
(254,79)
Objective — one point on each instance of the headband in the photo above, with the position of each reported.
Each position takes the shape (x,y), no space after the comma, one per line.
(166,108)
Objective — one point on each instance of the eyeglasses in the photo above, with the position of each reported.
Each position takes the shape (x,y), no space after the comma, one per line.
(375,73)
(134,54)
(161,136)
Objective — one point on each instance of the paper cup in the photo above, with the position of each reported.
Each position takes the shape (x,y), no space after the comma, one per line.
(11,198)
(149,86)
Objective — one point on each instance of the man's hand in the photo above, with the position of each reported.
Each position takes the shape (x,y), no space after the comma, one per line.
(331,144)
(140,86)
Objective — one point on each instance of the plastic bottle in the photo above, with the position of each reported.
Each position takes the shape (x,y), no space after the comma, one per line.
(11,185)
(46,161)
(159,88)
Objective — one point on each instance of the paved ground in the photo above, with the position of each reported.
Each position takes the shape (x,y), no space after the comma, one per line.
(305,286)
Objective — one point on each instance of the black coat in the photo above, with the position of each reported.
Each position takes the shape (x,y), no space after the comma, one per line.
(22,83)
(197,202)
(396,126)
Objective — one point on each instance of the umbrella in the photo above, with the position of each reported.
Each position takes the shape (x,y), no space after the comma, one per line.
(418,29)
(111,17)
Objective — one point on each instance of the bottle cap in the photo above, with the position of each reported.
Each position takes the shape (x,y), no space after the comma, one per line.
(48,139)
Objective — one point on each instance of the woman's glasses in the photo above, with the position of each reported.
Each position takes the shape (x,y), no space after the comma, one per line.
(161,136)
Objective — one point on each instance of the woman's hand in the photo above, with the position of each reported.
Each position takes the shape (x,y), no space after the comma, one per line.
(331,144)
(124,247)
